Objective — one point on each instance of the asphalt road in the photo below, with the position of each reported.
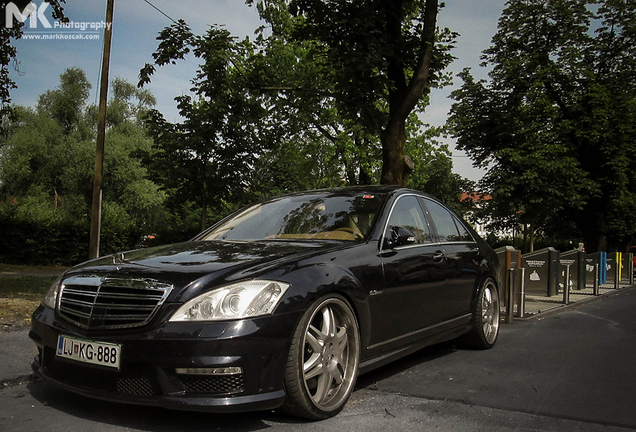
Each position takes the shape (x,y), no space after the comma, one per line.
(574,370)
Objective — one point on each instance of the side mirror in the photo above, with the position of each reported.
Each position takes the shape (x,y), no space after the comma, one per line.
(399,236)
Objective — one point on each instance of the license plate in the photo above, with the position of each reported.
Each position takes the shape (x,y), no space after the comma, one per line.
(97,353)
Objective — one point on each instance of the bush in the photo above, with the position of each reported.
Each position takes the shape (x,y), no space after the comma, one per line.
(60,242)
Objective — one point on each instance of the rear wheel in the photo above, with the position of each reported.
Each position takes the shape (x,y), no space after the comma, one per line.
(323,361)
(486,318)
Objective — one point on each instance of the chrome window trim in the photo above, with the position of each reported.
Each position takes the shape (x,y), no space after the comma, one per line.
(426,219)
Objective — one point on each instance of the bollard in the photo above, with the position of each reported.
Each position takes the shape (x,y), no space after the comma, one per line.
(630,257)
(510,304)
(522,292)
(597,271)
(617,271)
(566,286)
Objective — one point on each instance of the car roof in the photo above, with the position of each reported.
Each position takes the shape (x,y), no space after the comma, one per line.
(355,190)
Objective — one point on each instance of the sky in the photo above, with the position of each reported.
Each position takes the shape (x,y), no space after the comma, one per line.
(137,23)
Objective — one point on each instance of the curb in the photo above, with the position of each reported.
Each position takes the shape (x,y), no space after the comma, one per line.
(574,305)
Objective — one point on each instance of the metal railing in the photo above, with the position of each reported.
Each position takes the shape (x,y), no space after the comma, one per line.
(571,280)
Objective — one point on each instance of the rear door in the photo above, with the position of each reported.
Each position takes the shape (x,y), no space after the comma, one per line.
(461,254)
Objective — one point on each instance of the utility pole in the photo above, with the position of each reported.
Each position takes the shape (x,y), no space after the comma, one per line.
(96,215)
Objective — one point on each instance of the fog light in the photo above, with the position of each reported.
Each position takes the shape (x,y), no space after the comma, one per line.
(234,370)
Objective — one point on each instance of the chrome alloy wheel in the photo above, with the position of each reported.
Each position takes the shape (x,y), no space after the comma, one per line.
(330,354)
(490,312)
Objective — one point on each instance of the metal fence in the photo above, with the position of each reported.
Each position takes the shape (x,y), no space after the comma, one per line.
(545,279)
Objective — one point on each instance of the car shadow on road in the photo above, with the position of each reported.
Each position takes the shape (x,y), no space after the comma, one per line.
(148,418)
(429,353)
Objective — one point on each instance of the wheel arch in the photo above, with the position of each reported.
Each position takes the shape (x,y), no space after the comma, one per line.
(326,280)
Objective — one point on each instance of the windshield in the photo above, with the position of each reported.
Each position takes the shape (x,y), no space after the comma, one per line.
(323,216)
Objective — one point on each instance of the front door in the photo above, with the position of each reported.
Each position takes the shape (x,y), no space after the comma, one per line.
(414,277)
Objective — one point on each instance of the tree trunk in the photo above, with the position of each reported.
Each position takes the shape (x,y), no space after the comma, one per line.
(204,207)
(595,242)
(364,178)
(396,165)
(532,236)
(403,95)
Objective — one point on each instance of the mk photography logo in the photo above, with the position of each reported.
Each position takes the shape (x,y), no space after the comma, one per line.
(40,28)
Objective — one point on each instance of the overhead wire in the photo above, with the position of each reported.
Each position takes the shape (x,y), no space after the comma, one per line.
(161,12)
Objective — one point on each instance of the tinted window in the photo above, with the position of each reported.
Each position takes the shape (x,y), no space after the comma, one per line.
(463,232)
(407,213)
(443,220)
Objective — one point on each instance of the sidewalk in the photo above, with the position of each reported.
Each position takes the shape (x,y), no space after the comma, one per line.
(539,305)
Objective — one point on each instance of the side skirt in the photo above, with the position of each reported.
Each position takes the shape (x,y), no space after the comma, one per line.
(417,340)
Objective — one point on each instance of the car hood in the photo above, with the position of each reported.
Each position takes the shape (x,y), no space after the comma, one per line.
(214,261)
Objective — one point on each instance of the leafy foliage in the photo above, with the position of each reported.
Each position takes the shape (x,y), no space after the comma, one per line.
(309,78)
(555,123)
(46,175)
(383,57)
(433,172)
(285,111)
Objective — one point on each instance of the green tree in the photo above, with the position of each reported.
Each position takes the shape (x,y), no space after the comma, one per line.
(67,103)
(272,78)
(128,104)
(304,86)
(554,125)
(433,171)
(298,87)
(383,58)
(206,159)
(46,172)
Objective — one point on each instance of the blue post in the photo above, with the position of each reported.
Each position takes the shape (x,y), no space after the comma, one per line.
(602,261)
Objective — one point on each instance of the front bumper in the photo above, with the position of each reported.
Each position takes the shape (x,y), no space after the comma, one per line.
(150,359)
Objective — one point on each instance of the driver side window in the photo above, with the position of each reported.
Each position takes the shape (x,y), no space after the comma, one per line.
(407,213)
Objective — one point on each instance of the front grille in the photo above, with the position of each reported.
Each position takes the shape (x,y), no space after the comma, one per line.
(101,302)
(223,384)
(136,385)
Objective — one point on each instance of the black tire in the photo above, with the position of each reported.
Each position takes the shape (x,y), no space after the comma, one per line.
(486,318)
(323,360)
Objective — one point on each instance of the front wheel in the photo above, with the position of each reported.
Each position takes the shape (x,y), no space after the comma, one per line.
(486,318)
(323,360)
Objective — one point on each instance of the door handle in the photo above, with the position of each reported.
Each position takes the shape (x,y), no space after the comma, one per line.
(438,256)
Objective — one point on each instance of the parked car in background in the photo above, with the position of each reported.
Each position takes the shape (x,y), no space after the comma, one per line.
(280,305)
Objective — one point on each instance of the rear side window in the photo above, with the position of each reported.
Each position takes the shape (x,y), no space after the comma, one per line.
(464,235)
(444,221)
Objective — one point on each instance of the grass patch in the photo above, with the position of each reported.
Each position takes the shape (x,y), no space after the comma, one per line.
(15,313)
(19,297)
(25,287)
(17,269)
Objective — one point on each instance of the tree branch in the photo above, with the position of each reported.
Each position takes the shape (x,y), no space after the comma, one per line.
(418,83)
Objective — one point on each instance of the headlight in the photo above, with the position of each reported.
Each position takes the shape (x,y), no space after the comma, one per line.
(50,299)
(241,300)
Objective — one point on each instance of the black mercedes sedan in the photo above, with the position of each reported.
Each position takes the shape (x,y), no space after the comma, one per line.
(280,305)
